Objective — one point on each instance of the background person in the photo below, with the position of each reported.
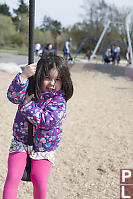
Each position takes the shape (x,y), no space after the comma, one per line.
(37,49)
(118,54)
(128,56)
(48,49)
(67,51)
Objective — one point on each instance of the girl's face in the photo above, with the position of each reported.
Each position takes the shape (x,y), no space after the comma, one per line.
(52,82)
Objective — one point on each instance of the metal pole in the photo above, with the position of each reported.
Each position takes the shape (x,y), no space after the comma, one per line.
(27,171)
(128,38)
(117,22)
(99,41)
(31,43)
(31,86)
(31,31)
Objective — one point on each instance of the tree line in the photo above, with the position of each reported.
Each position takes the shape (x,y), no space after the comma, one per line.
(14,26)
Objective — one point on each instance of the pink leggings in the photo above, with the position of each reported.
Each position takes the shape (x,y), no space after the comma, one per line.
(40,170)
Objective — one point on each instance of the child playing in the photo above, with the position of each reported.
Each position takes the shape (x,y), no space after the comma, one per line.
(48,49)
(45,110)
(67,51)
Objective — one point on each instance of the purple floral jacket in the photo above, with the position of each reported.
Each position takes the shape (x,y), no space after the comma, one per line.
(46,115)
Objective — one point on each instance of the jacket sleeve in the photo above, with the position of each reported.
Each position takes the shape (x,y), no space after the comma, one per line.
(17,90)
(46,118)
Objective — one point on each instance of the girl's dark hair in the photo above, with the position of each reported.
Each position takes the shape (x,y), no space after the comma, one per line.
(44,65)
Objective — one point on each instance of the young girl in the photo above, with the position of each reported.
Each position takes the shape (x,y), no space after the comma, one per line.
(45,110)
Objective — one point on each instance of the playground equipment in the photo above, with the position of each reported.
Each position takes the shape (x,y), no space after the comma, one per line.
(104,31)
(118,42)
(83,41)
(128,36)
(26,175)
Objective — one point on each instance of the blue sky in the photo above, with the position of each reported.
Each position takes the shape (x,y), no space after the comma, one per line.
(67,12)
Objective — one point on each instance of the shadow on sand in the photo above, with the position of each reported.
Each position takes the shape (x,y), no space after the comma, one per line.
(112,70)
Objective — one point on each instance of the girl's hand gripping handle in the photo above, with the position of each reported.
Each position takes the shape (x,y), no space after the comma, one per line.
(29,71)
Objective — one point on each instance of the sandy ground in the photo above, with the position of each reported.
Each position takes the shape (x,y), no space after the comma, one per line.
(97,139)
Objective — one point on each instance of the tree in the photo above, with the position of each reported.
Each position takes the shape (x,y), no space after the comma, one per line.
(80,31)
(6,30)
(97,13)
(21,11)
(4,9)
(24,24)
(43,37)
(46,24)
(19,40)
(53,25)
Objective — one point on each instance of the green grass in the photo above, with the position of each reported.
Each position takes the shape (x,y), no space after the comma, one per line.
(24,51)
(18,51)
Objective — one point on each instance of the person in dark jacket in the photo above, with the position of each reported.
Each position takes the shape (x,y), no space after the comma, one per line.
(48,49)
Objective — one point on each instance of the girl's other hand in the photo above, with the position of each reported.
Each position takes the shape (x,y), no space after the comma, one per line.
(27,99)
(29,71)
